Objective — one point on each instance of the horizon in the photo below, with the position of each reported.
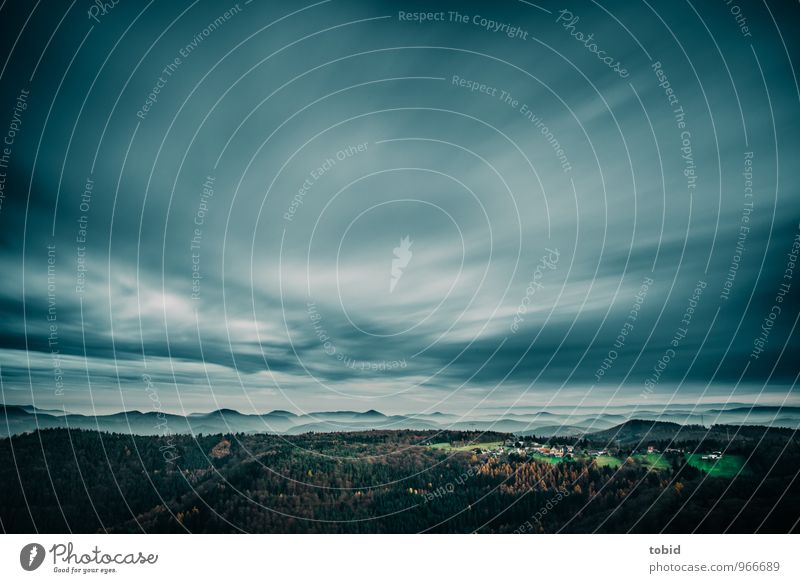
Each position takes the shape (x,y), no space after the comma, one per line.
(663,408)
(558,422)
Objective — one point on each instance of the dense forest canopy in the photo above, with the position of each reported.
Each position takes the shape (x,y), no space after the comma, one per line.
(393,481)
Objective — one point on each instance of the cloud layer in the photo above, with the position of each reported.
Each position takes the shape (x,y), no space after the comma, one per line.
(215,199)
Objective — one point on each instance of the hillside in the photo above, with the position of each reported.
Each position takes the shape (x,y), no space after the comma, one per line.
(379,481)
(16,419)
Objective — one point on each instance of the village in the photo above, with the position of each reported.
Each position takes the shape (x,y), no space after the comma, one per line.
(567,449)
(527,447)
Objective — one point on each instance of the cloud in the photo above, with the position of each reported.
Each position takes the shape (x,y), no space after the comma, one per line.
(360,137)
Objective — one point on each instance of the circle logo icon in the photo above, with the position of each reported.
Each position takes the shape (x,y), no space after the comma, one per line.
(31,556)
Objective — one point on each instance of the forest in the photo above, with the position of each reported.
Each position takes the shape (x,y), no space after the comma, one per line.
(80,481)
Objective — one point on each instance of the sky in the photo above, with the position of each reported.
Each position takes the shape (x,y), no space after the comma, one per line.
(408,207)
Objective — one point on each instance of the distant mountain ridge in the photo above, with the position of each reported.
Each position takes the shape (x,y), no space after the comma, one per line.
(16,419)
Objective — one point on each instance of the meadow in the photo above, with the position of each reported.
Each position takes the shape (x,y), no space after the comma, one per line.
(727,466)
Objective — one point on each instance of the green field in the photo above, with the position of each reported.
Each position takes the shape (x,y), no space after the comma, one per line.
(448,447)
(726,467)
(653,461)
(540,457)
(608,461)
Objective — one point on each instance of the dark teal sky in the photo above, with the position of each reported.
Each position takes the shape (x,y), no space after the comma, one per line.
(222,188)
